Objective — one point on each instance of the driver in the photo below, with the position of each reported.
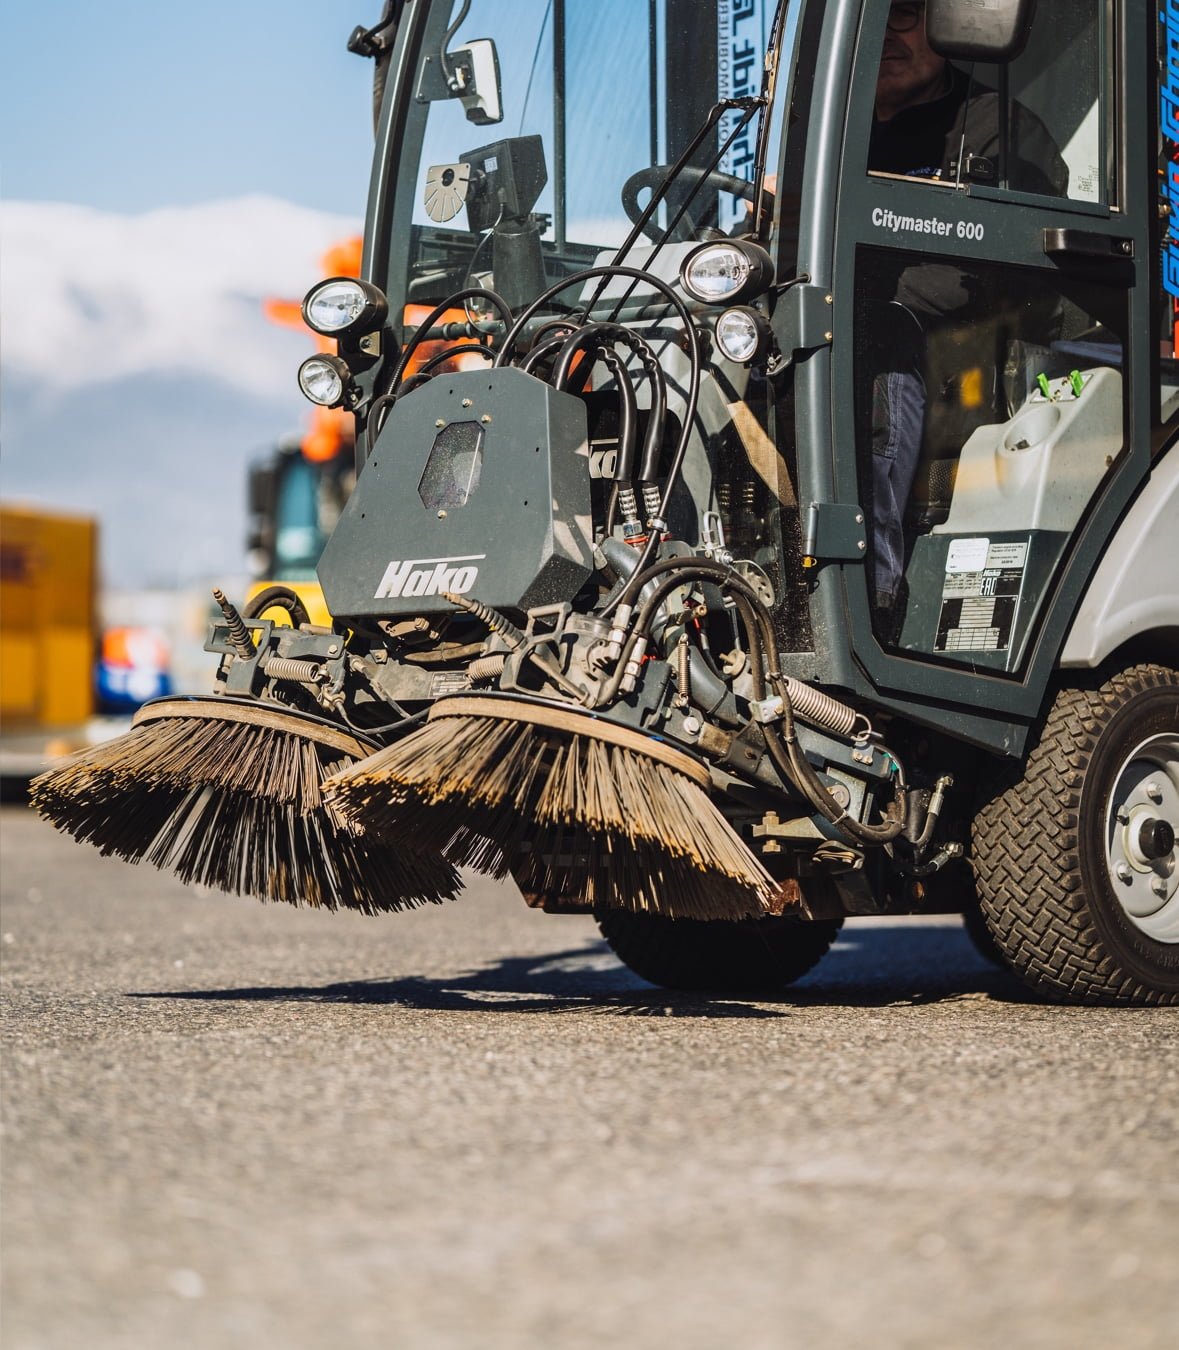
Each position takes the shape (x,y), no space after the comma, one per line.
(931,122)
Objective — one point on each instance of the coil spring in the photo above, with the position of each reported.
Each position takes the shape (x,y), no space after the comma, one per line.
(286,668)
(239,634)
(820,709)
(486,668)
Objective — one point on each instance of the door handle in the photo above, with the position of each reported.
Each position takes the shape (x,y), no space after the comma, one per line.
(1066,243)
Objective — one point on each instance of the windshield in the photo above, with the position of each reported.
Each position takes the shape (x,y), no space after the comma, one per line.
(537,127)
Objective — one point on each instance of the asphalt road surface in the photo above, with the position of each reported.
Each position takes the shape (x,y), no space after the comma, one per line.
(230,1125)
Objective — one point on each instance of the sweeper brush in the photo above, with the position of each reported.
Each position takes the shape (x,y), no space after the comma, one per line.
(228,794)
(571,805)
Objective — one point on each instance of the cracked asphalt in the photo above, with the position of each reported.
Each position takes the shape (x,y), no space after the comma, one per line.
(228,1124)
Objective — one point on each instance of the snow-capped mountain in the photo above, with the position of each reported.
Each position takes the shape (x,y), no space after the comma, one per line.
(140,374)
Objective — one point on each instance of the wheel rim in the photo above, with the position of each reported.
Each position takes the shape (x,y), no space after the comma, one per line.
(1140,831)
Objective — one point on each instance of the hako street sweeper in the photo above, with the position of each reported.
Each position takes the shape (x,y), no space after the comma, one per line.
(798,537)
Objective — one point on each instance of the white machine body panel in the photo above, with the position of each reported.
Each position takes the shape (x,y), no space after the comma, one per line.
(1135,588)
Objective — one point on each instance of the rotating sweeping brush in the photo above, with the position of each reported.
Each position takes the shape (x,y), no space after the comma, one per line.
(228,793)
(570,804)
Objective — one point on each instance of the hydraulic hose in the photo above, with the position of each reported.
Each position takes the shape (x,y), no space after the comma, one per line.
(419,333)
(784,748)
(653,441)
(693,396)
(628,414)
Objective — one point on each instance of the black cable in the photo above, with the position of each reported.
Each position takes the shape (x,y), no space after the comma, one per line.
(693,396)
(784,750)
(440,358)
(419,333)
(653,441)
(444,55)
(538,354)
(628,412)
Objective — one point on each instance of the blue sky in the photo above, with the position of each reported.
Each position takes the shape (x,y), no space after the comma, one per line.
(129,104)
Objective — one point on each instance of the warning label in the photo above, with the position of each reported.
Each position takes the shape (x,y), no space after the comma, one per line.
(980,595)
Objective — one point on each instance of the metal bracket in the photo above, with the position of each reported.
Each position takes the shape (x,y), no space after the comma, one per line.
(835,532)
(802,318)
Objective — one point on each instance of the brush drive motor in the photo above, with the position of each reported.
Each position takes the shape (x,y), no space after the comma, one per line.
(479,485)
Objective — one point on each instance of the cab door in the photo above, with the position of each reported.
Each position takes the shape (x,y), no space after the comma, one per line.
(989,388)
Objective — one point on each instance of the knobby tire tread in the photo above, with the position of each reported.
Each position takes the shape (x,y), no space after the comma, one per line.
(1027,860)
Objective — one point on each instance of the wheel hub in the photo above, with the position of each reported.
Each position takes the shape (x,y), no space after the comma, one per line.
(1140,838)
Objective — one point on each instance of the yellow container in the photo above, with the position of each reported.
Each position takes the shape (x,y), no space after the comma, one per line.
(48,617)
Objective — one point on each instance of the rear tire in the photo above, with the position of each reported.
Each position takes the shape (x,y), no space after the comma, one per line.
(1080,912)
(747,957)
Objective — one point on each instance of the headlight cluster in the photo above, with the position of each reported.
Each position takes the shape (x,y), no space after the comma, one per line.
(340,307)
(729,272)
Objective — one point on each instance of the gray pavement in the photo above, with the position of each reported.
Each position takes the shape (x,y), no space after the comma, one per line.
(232,1125)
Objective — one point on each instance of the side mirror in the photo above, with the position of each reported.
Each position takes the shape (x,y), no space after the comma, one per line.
(469,73)
(964,30)
(477,66)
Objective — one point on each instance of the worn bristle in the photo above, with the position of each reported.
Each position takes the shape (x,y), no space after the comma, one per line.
(237,807)
(566,814)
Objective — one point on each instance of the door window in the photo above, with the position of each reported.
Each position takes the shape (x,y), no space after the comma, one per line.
(990,405)
(1041,124)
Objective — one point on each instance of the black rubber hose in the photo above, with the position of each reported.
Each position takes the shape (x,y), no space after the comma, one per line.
(539,354)
(693,397)
(653,441)
(628,414)
(441,358)
(588,335)
(784,750)
(419,333)
(276,597)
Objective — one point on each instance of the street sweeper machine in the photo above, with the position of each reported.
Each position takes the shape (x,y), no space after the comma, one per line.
(782,524)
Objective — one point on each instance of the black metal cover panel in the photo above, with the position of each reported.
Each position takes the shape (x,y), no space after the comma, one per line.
(478,484)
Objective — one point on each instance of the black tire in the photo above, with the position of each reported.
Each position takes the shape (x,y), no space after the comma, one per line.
(748,957)
(1045,842)
(981,937)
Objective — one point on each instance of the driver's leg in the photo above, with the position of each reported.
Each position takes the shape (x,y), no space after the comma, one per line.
(898,415)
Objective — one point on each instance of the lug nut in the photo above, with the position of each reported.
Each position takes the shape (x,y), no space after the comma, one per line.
(1122,872)
(1153,791)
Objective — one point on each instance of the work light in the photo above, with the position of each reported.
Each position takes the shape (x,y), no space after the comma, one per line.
(726,272)
(344,305)
(742,334)
(324,380)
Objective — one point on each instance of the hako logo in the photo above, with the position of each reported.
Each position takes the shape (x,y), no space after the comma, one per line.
(428,576)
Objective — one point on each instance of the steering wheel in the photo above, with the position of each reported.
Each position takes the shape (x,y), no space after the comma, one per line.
(689,176)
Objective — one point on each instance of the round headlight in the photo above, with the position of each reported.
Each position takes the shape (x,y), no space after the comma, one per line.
(324,380)
(742,335)
(726,272)
(342,305)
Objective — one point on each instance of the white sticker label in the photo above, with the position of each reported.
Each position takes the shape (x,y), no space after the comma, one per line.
(967,555)
(1007,555)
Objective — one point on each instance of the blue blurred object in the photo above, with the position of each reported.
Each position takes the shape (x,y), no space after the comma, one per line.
(135,665)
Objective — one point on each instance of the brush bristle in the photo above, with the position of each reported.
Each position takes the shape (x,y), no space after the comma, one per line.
(237,807)
(566,814)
